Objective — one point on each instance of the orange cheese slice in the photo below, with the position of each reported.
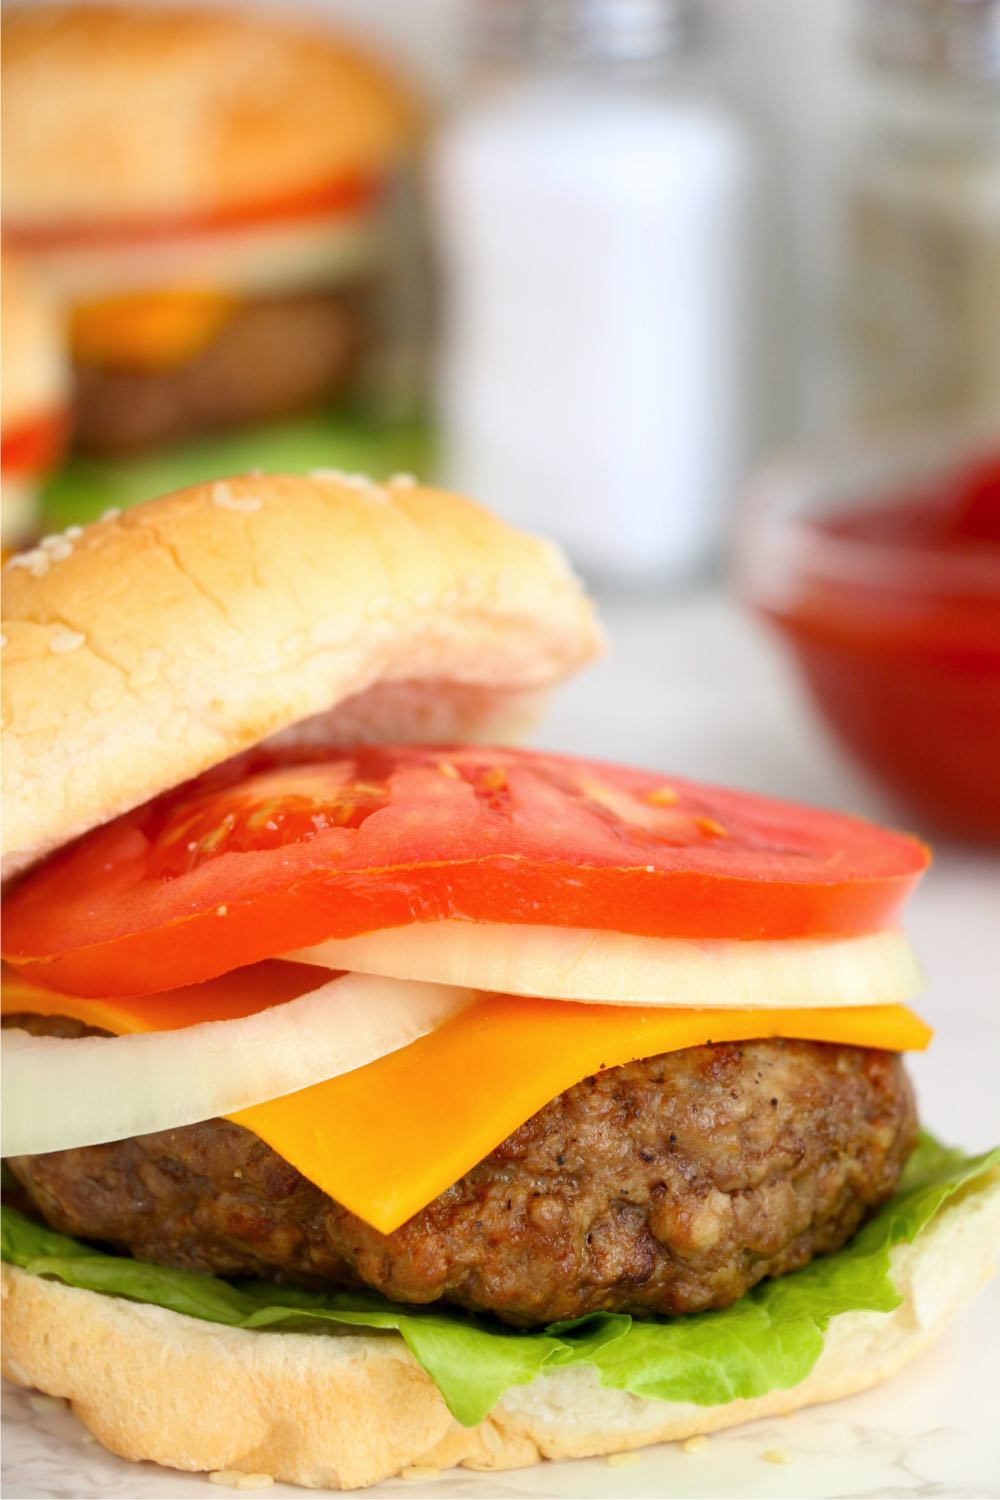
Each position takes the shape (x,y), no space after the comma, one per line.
(148,330)
(242,992)
(388,1138)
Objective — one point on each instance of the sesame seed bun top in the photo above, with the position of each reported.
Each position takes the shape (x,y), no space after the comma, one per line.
(146,648)
(114,113)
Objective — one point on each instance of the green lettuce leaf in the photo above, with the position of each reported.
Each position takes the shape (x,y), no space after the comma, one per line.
(768,1340)
(83,488)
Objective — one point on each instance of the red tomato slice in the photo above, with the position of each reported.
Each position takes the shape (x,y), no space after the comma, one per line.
(34,447)
(344,195)
(267,855)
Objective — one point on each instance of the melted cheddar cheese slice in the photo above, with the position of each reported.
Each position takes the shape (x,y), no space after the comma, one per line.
(148,330)
(389,1137)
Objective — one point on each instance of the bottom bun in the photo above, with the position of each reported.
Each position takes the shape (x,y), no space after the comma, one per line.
(348,1409)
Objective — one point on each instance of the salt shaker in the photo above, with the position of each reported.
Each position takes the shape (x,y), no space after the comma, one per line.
(594,223)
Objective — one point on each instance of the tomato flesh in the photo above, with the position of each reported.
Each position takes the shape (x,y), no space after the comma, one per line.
(270,854)
(33,447)
(344,195)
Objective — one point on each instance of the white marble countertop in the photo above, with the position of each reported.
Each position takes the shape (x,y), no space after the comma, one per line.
(695,688)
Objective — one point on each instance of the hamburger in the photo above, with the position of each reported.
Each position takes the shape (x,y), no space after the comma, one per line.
(206,190)
(377,1095)
(33,398)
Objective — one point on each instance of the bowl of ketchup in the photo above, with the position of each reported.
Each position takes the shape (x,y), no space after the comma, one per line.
(881,569)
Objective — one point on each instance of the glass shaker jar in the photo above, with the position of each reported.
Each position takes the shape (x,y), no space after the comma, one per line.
(593,221)
(923,213)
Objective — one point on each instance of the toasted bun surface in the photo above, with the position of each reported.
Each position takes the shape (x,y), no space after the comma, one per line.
(34,368)
(115,112)
(153,645)
(342,1411)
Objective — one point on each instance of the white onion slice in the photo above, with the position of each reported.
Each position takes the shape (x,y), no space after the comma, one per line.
(282,256)
(614,968)
(60,1093)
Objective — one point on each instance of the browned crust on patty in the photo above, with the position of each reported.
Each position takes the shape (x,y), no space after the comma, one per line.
(668,1185)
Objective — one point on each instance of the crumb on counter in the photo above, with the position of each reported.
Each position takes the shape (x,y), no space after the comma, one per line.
(777,1456)
(625,1460)
(237,1480)
(695,1444)
(39,1402)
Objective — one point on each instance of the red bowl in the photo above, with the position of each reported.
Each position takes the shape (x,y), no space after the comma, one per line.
(880,565)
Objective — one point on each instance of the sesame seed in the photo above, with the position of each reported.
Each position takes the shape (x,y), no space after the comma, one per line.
(112,513)
(72,533)
(174,727)
(695,1444)
(223,497)
(255,1482)
(221,911)
(403,481)
(420,1471)
(66,640)
(626,1460)
(3,641)
(650,869)
(36,561)
(712,828)
(363,483)
(52,540)
(60,550)
(148,670)
(777,1456)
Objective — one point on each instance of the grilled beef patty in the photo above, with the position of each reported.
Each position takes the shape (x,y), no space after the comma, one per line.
(668,1185)
(275,355)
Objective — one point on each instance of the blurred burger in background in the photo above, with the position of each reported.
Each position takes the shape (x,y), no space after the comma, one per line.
(34,396)
(206,191)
